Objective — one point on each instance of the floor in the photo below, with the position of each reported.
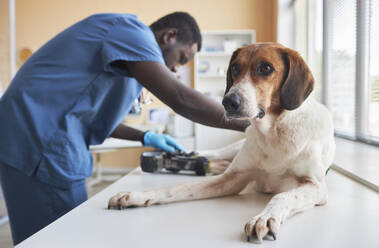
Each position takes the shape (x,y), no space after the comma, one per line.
(5,233)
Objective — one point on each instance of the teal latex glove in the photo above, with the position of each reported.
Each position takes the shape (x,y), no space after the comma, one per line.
(162,141)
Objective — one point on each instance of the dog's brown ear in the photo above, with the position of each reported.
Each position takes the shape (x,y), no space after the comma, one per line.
(229,79)
(298,83)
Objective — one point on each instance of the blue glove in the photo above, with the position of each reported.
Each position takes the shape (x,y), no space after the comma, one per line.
(162,141)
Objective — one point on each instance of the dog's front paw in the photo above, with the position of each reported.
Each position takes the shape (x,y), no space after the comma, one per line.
(262,225)
(128,200)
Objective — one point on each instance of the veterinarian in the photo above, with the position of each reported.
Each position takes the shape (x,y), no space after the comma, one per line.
(74,92)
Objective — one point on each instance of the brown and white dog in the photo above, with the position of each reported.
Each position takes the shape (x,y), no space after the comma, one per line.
(289,144)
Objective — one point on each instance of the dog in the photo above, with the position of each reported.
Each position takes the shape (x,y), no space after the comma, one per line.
(288,148)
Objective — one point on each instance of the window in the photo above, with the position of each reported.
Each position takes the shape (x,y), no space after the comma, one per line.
(350,46)
(314,44)
(373,99)
(340,41)
(300,25)
(342,65)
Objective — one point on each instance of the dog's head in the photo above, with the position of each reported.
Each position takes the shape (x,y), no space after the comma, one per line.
(265,78)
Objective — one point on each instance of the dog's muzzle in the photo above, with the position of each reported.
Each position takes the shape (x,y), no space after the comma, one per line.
(232,103)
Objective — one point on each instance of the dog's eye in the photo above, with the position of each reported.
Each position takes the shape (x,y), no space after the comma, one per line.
(265,69)
(234,69)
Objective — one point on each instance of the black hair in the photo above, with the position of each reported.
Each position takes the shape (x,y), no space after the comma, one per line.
(188,30)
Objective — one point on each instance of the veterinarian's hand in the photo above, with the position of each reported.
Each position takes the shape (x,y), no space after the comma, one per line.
(162,141)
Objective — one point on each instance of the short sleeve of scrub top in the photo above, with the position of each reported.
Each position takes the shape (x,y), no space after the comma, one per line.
(125,42)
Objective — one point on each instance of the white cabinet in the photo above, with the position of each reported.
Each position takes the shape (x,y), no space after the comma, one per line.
(210,66)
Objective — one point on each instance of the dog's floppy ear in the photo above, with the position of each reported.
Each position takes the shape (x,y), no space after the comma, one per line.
(298,83)
(229,79)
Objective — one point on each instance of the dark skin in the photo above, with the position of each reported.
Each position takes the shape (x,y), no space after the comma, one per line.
(160,81)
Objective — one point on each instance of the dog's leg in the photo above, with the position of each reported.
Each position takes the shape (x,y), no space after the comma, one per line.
(227,152)
(221,158)
(219,166)
(226,184)
(284,205)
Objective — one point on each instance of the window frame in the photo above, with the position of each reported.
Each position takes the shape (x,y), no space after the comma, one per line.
(362,79)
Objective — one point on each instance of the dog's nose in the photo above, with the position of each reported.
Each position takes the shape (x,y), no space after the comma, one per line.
(232,102)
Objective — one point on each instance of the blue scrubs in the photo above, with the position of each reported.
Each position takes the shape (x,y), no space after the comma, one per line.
(66,97)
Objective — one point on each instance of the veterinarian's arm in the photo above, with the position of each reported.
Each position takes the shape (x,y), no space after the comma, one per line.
(128,133)
(187,102)
(150,138)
